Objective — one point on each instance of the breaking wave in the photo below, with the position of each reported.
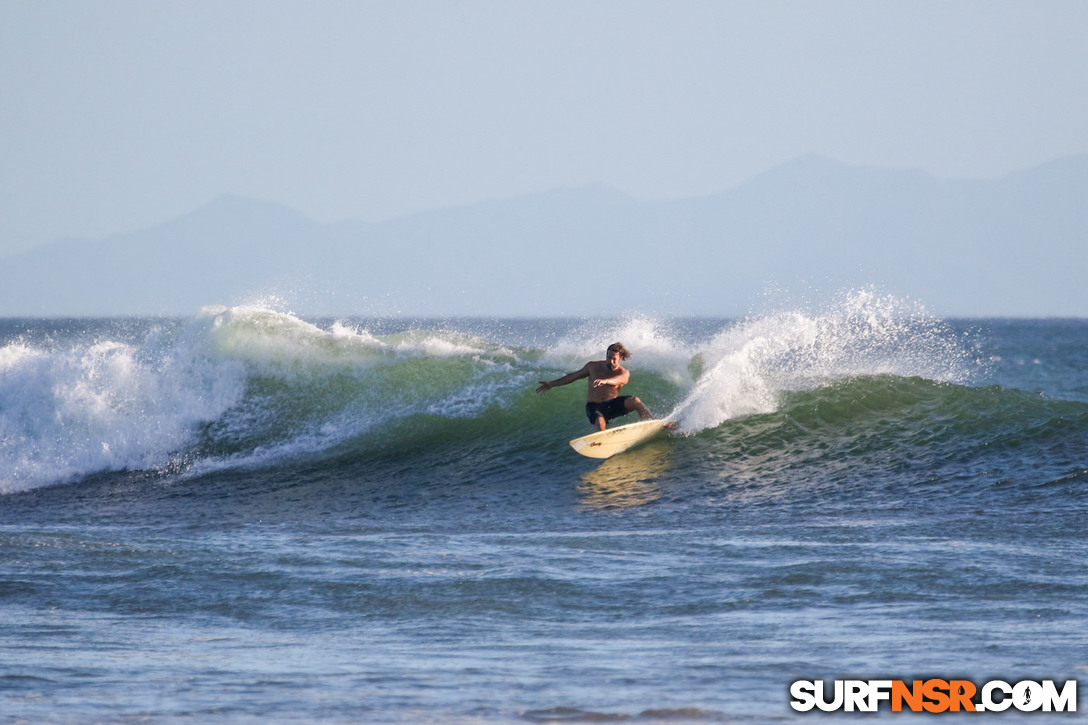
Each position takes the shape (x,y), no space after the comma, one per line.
(251,386)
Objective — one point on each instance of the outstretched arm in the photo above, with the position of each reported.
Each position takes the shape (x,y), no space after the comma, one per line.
(565,380)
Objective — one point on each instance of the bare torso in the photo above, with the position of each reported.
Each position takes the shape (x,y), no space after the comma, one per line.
(601,370)
(606,379)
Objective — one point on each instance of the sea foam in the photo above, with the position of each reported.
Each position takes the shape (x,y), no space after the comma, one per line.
(252,386)
(85,406)
(747,367)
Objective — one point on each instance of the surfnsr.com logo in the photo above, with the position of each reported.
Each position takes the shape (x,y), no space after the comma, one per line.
(933,695)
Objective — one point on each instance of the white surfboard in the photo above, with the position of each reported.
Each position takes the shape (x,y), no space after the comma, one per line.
(607,443)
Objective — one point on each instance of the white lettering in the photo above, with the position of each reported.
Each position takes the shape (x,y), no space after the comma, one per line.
(804,695)
(879,690)
(1027,696)
(821,700)
(1066,701)
(856,694)
(988,699)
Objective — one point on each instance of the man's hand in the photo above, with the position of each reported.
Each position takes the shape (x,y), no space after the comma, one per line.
(544,387)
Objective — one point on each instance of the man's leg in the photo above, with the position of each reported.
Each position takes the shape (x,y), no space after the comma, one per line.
(633,403)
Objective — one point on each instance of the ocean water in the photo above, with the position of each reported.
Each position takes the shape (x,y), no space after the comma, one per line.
(251,517)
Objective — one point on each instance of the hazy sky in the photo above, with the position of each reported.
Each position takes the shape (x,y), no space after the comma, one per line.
(115,114)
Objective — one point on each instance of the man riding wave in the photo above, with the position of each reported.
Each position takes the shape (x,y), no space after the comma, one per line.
(606,378)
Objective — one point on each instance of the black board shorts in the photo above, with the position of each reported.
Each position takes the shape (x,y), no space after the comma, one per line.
(608,410)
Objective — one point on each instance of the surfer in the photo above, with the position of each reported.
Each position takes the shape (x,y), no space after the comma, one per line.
(606,378)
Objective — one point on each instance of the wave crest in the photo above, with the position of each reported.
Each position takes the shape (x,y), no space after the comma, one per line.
(250,385)
(746,368)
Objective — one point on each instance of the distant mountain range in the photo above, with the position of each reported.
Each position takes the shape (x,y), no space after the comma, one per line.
(1013,247)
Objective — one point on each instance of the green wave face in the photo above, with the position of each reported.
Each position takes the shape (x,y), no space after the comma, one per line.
(866,381)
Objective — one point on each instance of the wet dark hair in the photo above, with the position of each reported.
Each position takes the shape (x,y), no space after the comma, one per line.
(618,347)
